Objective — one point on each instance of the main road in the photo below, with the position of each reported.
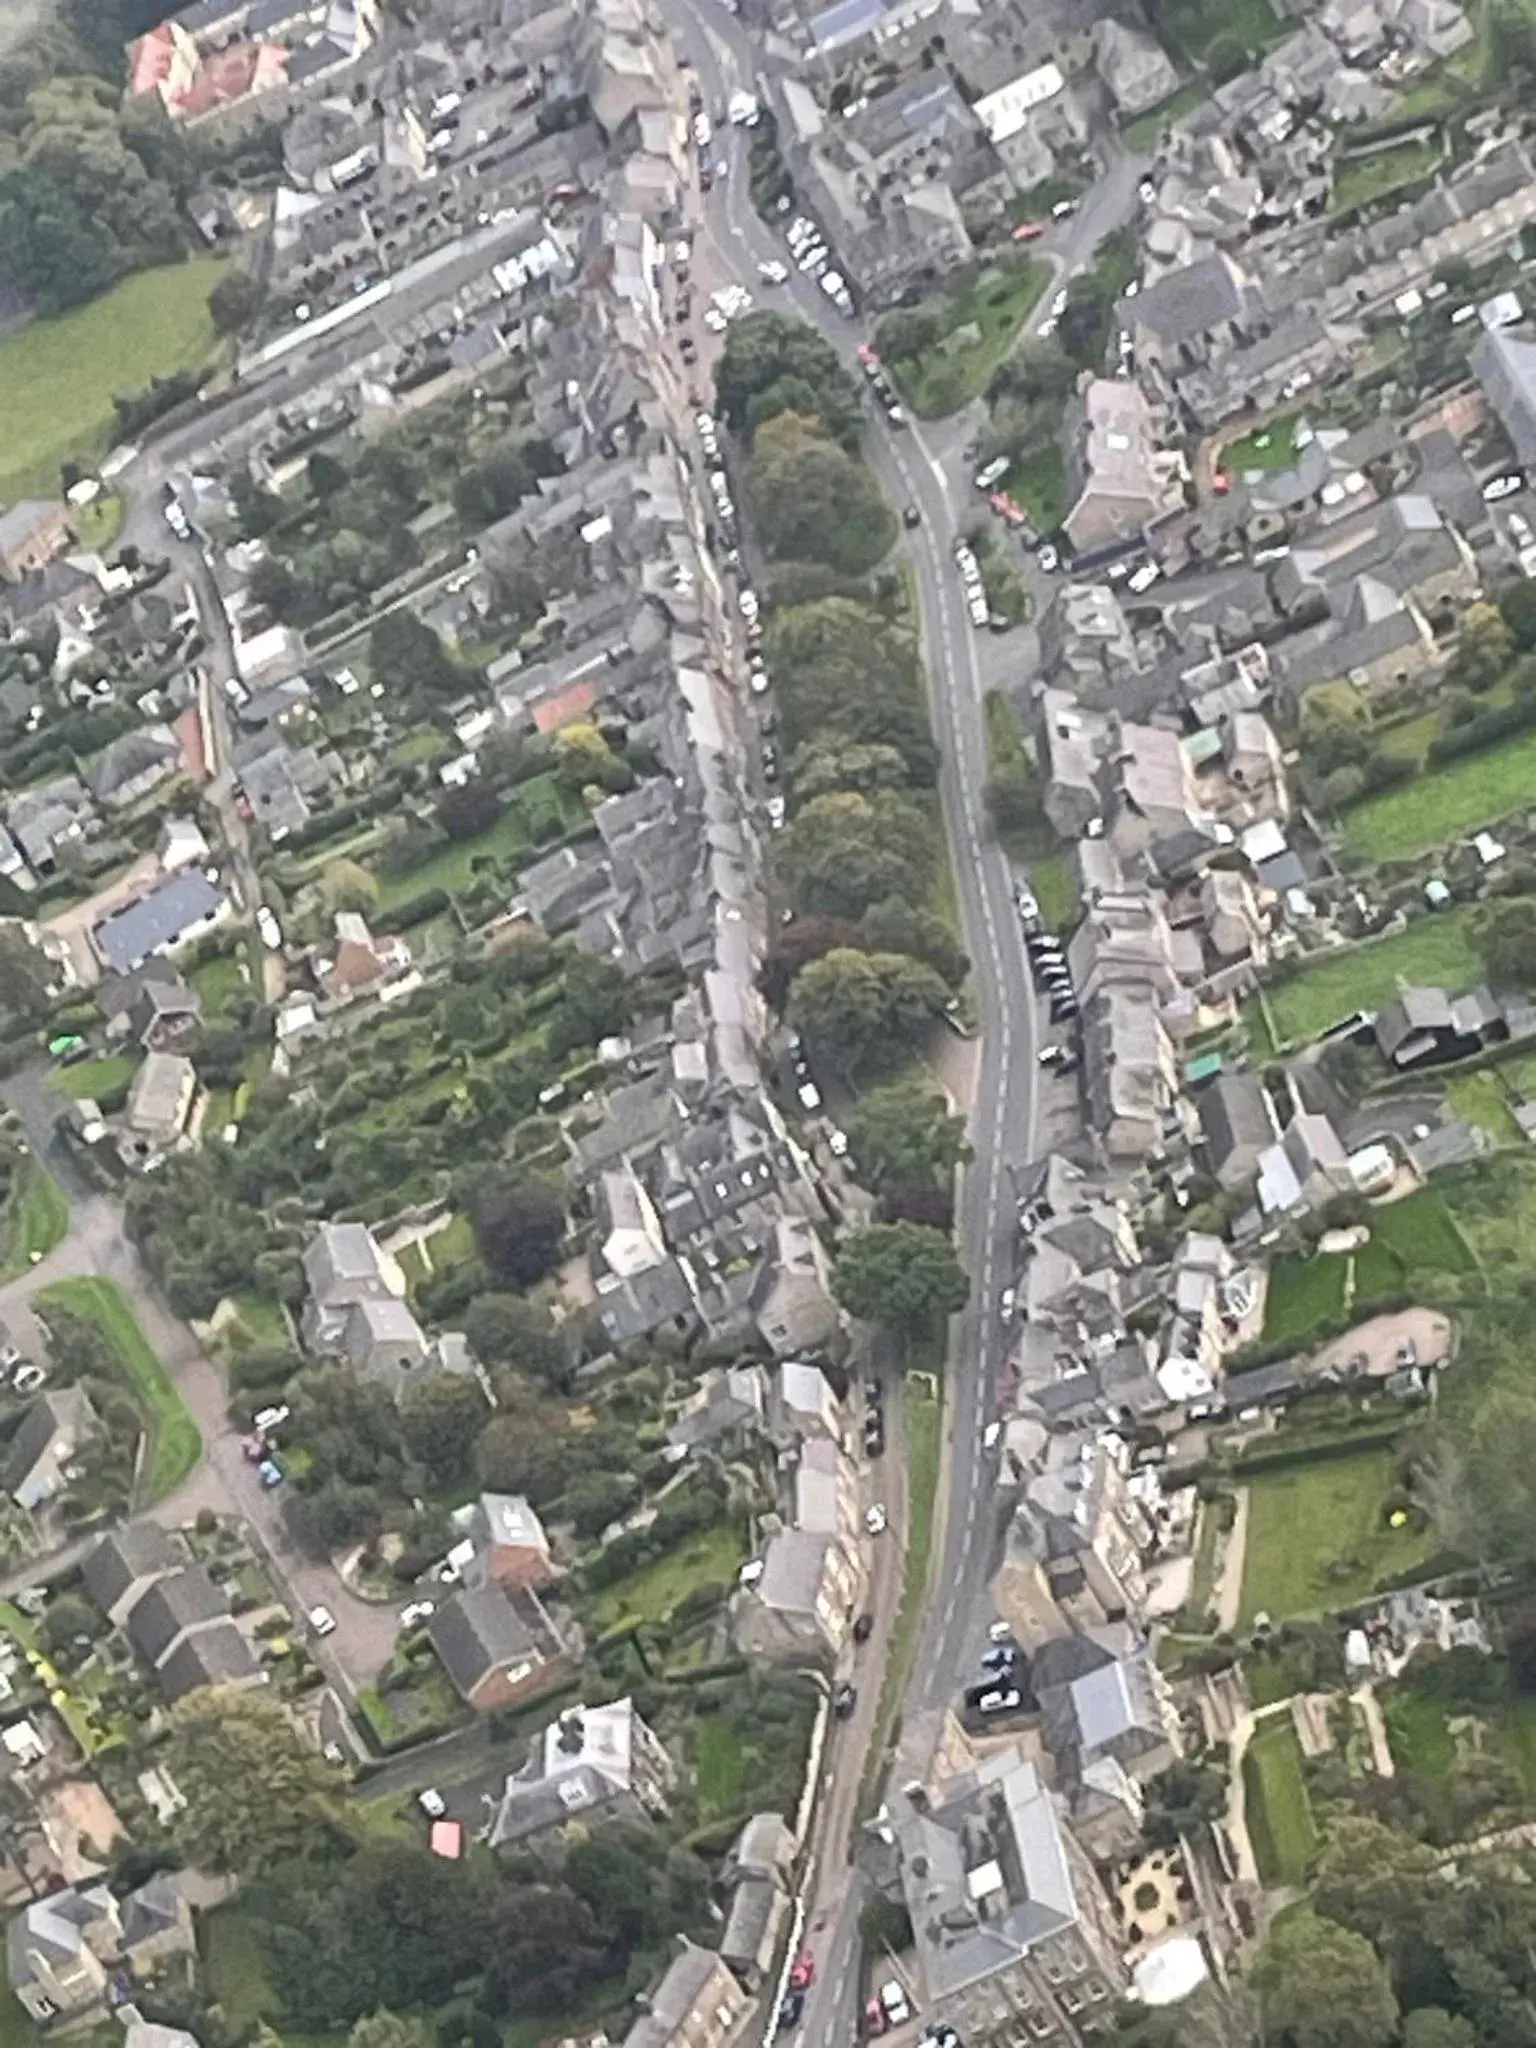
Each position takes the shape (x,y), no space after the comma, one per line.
(928,471)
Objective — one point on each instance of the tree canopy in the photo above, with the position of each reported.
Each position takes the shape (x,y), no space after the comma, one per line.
(904,1134)
(772,364)
(813,501)
(844,669)
(899,1274)
(256,1794)
(844,852)
(859,1010)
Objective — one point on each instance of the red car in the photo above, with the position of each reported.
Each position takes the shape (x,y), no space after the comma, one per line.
(868,353)
(1221,482)
(875,2021)
(1029,230)
(803,1974)
(1007,507)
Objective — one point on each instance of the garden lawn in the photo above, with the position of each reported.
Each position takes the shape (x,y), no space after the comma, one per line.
(720,1765)
(1278,452)
(1279,1813)
(237,1976)
(1445,803)
(261,1321)
(1422,1233)
(510,839)
(58,377)
(35,1220)
(1055,887)
(942,380)
(1317,1538)
(1437,950)
(710,1556)
(1303,1294)
(217,980)
(1481,1100)
(1372,177)
(175,1444)
(1038,480)
(93,1078)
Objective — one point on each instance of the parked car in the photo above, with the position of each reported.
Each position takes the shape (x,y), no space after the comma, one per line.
(26,1379)
(270,1473)
(322,1621)
(790,2011)
(844,1700)
(803,1971)
(875,1519)
(898,2008)
(864,1628)
(416,1612)
(432,1803)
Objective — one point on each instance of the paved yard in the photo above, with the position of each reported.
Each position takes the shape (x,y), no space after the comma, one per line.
(1379,1340)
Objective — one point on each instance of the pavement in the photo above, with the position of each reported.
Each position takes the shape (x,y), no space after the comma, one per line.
(1014,1108)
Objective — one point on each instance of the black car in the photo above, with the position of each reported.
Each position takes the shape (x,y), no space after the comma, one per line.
(874,1392)
(1000,1697)
(770,755)
(844,1700)
(687,349)
(1064,1009)
(790,2010)
(911,516)
(874,1437)
(863,1628)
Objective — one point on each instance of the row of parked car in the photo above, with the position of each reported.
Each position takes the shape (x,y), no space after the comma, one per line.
(879,382)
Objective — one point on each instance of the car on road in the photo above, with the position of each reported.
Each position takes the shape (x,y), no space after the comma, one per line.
(770,758)
(991,1436)
(876,1521)
(432,1803)
(1144,577)
(868,355)
(1026,902)
(1063,210)
(322,1621)
(844,1700)
(802,1971)
(898,2007)
(911,515)
(874,1436)
(1048,558)
(988,478)
(773,272)
(1029,231)
(687,348)
(1006,1303)
(267,926)
(864,1628)
(790,2011)
(875,2021)
(270,1473)
(416,1612)
(747,602)
(999,1658)
(776,815)
(1000,1632)
(837,1142)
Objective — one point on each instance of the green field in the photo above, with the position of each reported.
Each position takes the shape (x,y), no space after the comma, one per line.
(1445,803)
(1317,1538)
(1372,177)
(58,377)
(943,379)
(1303,1294)
(36,1219)
(175,1444)
(1278,1811)
(711,1557)
(1438,950)
(1278,451)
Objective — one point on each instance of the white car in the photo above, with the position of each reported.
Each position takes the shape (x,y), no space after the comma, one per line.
(703,131)
(266,1419)
(747,602)
(1000,1632)
(1059,305)
(809,1094)
(898,2009)
(759,684)
(814,260)
(1144,578)
(1503,487)
(417,1612)
(26,1379)
(322,1621)
(773,273)
(432,1803)
(270,930)
(1519,530)
(876,1521)
(776,816)
(1048,558)
(993,473)
(715,320)
(1006,1302)
(991,1436)
(837,1142)
(681,253)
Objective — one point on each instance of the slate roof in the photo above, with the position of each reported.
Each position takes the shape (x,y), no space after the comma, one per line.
(215,1655)
(135,1551)
(178,1601)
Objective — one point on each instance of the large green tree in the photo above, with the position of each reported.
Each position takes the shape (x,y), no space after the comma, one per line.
(844,852)
(256,1794)
(442,1418)
(1323,1986)
(813,501)
(772,363)
(845,670)
(859,1010)
(900,1275)
(905,1134)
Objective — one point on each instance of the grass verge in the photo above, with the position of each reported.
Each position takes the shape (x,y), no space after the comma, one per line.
(36,1219)
(923,1418)
(175,1444)
(952,373)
